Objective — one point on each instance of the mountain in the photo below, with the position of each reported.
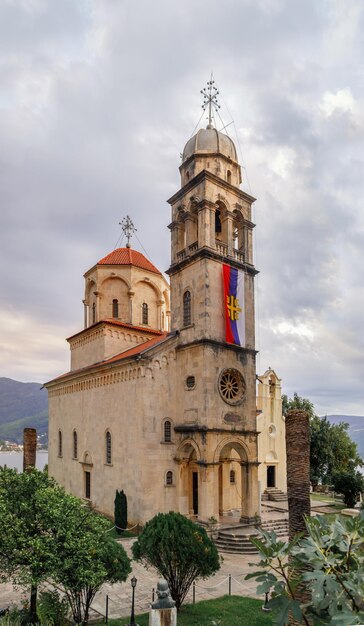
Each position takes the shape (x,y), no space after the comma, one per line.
(356,428)
(22,405)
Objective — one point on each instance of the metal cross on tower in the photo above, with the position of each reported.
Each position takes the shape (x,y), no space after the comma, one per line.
(210,94)
(128,228)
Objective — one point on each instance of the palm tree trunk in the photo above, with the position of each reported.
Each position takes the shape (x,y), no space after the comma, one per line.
(298,481)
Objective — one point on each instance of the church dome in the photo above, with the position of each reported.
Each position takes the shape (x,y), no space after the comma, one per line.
(209,140)
(127,256)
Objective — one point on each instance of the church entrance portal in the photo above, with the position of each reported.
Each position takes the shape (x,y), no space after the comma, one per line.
(271,476)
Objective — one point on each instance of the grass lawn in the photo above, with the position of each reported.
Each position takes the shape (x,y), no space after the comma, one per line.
(225,611)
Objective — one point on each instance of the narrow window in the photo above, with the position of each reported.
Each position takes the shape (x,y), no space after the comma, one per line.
(217,222)
(108,447)
(169,478)
(232,477)
(167,431)
(60,446)
(94,313)
(88,485)
(75,451)
(186,308)
(115,308)
(228,176)
(144,313)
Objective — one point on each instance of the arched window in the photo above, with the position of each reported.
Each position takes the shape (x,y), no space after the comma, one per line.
(94,313)
(228,176)
(115,308)
(232,477)
(108,447)
(144,313)
(187,308)
(75,446)
(169,478)
(60,443)
(218,222)
(167,431)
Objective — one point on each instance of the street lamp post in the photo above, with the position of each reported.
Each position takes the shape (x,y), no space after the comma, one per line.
(132,618)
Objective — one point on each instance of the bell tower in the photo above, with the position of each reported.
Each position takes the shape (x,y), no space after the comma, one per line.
(212,308)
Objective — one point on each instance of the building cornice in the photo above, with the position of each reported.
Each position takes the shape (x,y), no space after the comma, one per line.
(215,343)
(209,253)
(205,175)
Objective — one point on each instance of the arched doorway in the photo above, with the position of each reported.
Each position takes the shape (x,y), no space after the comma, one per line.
(237,480)
(230,478)
(189,478)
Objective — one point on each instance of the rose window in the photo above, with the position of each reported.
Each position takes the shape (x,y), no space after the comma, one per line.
(231,386)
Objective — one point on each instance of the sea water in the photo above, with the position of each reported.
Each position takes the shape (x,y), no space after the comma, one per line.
(15,459)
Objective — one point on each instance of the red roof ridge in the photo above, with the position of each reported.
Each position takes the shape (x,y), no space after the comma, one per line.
(128,256)
(129,352)
(144,329)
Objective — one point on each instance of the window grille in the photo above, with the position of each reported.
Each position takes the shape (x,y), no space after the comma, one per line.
(115,308)
(144,313)
(75,451)
(108,448)
(232,477)
(167,431)
(187,308)
(169,478)
(60,446)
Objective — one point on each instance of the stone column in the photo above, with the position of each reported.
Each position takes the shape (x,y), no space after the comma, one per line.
(249,490)
(85,313)
(97,294)
(131,294)
(204,227)
(208,495)
(29,448)
(159,314)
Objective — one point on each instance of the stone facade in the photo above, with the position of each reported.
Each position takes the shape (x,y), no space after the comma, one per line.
(167,415)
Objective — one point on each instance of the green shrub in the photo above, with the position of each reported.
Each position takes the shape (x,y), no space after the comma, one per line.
(51,608)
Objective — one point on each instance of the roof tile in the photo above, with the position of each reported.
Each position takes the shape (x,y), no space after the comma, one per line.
(127,256)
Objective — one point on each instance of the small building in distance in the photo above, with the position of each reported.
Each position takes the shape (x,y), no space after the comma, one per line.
(271,441)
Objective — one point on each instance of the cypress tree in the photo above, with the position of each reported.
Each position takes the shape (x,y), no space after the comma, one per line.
(120,511)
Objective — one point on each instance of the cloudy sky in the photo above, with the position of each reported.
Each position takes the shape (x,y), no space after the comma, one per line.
(97,100)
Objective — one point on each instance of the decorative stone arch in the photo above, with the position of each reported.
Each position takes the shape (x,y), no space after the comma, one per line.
(186,449)
(233,453)
(232,443)
(115,277)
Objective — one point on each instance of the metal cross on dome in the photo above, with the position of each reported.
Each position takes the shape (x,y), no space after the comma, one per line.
(128,228)
(210,94)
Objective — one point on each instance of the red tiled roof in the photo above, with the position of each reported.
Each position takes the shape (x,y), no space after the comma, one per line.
(127,256)
(142,347)
(143,329)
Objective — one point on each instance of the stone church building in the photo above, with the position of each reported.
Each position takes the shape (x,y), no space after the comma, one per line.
(160,399)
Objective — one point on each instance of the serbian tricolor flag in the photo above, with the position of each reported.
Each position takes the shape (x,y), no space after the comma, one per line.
(234,305)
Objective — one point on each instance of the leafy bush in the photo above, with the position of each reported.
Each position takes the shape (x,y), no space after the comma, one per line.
(179,549)
(329,562)
(51,608)
(350,484)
